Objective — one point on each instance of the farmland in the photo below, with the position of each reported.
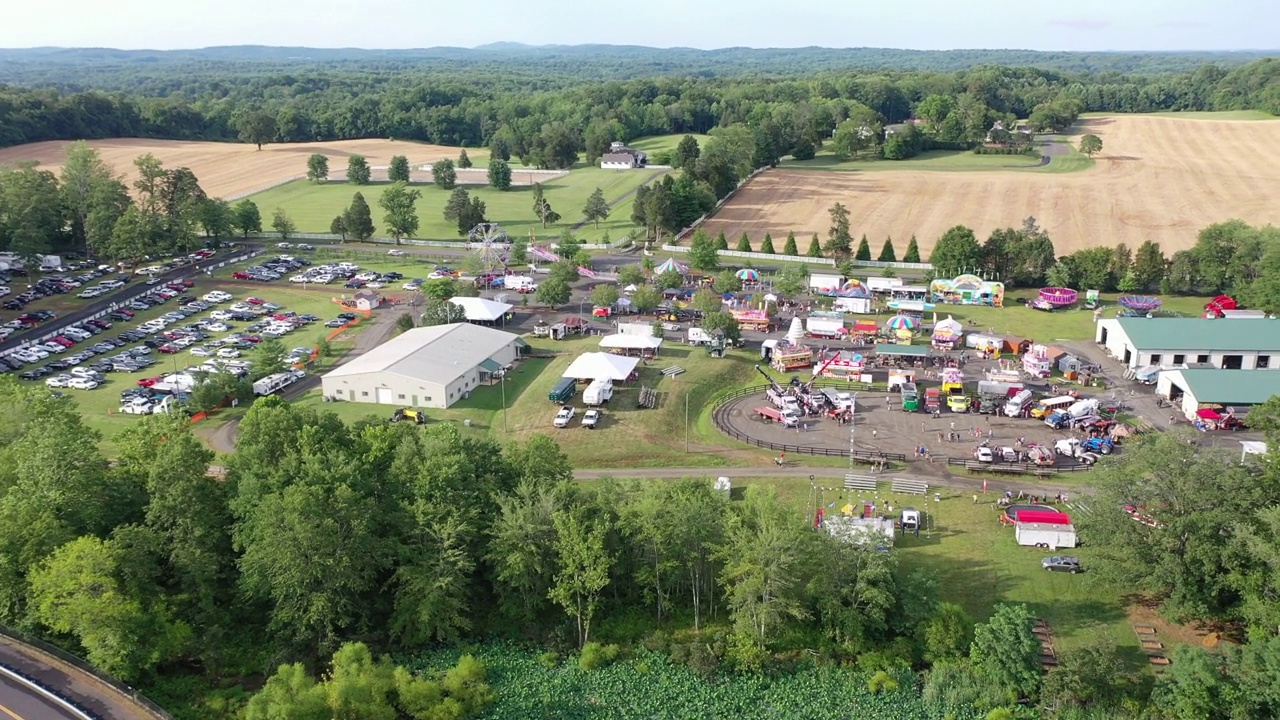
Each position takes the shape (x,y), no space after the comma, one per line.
(1158,178)
(229,170)
(312,207)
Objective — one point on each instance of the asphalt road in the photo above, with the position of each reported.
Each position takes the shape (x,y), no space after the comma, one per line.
(17,702)
(131,289)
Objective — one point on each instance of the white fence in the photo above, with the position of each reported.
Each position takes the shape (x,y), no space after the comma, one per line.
(462,245)
(758,256)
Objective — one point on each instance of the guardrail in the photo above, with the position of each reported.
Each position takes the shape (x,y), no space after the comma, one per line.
(1018,468)
(136,697)
(47,693)
(717,417)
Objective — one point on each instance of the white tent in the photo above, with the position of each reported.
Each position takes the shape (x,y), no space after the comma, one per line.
(601,366)
(624,341)
(479,309)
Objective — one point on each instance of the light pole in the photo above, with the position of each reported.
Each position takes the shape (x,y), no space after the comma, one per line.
(686,421)
(503,382)
(581,313)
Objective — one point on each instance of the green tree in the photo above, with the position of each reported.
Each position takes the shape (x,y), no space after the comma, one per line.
(727,281)
(722,242)
(1148,265)
(398,206)
(790,282)
(93,197)
(762,565)
(456,204)
(440,289)
(257,128)
(553,292)
(668,279)
(358,170)
(864,249)
(499,174)
(1033,254)
(404,323)
(500,148)
(947,634)
(1060,275)
(645,299)
(1090,677)
(597,208)
(604,295)
(766,245)
(246,218)
(912,255)
(398,170)
(542,208)
(839,241)
(702,252)
(442,312)
(744,243)
(216,218)
(443,174)
(707,301)
(358,218)
(887,253)
(815,247)
(317,168)
(582,568)
(1006,653)
(790,247)
(687,152)
(956,252)
(1090,145)
(471,215)
(464,162)
(31,211)
(289,694)
(1128,283)
(630,275)
(282,223)
(338,226)
(519,251)
(1091,268)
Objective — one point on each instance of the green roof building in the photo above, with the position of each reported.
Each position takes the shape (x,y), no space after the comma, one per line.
(1232,344)
(1190,389)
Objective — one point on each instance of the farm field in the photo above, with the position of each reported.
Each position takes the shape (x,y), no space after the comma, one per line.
(663,143)
(1158,178)
(313,207)
(937,160)
(230,170)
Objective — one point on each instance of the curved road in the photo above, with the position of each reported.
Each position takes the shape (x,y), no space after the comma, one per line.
(17,702)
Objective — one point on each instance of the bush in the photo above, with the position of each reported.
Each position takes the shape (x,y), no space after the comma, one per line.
(882,682)
(594,656)
(549,659)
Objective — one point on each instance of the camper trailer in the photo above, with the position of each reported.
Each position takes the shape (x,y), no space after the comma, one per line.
(598,393)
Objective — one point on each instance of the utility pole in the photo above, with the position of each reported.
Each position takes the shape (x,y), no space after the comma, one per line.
(686,421)
(503,383)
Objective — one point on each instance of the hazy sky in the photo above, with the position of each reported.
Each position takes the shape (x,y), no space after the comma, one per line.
(921,24)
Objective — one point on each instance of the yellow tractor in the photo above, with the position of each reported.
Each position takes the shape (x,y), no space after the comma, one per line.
(410,414)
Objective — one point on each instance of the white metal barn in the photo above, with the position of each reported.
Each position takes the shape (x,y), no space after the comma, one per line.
(430,367)
(1227,344)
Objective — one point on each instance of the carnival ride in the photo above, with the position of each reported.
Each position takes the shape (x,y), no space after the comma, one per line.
(1053,298)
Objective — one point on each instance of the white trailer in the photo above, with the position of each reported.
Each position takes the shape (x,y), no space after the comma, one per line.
(1083,408)
(861,306)
(818,281)
(825,327)
(698,336)
(883,284)
(1045,535)
(598,393)
(273,383)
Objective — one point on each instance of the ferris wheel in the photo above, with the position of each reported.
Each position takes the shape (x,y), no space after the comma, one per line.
(489,242)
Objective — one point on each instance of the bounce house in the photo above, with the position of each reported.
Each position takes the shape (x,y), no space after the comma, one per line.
(851,289)
(967,290)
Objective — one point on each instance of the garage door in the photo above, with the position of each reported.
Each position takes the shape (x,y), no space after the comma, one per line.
(385,397)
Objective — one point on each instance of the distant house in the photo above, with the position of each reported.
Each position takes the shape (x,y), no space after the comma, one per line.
(999,135)
(621,157)
(895,128)
(367,300)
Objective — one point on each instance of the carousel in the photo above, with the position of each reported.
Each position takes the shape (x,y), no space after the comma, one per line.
(669,265)
(967,290)
(1138,305)
(947,334)
(1054,298)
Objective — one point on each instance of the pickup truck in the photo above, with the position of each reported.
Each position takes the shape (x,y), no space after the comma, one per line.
(590,419)
(565,416)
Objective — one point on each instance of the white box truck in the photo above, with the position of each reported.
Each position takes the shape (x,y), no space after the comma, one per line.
(825,283)
(698,336)
(1045,535)
(824,327)
(598,393)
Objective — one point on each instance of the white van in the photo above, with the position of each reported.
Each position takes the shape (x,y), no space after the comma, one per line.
(1017,403)
(519,283)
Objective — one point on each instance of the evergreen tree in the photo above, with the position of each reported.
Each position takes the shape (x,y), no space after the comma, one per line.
(464,162)
(790,248)
(887,253)
(686,152)
(358,219)
(744,243)
(815,247)
(912,255)
(766,246)
(499,174)
(597,208)
(864,249)
(443,174)
(722,242)
(458,200)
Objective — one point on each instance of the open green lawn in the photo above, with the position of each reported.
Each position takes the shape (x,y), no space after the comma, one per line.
(1196,115)
(313,207)
(940,160)
(663,143)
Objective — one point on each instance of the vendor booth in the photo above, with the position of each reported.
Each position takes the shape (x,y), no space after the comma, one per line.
(967,290)
(1037,362)
(947,334)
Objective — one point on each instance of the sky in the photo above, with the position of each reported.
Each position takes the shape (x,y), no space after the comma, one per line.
(917,24)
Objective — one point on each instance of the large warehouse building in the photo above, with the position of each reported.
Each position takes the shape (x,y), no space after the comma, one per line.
(1230,344)
(430,367)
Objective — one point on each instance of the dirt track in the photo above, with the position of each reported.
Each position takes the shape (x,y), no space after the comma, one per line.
(1159,179)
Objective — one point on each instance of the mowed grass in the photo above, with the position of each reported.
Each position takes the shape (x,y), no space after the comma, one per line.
(1199,115)
(663,143)
(933,160)
(313,207)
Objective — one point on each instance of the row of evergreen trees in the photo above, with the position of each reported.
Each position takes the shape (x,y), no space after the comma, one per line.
(888,253)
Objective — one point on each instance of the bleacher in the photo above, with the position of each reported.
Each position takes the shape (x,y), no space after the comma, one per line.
(859,482)
(672,371)
(910,487)
(648,397)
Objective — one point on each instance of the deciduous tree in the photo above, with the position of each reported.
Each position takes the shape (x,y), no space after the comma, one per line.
(338,226)
(443,174)
(957,251)
(258,127)
(702,252)
(398,169)
(645,299)
(1006,653)
(398,205)
(1148,265)
(246,218)
(604,295)
(282,223)
(1090,145)
(317,168)
(553,292)
(358,170)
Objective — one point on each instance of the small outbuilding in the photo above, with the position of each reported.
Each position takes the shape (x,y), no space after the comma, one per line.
(366,300)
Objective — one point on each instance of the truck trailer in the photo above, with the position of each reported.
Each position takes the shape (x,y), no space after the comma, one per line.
(1045,535)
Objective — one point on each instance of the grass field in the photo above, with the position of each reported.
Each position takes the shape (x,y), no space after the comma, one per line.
(1196,115)
(1157,178)
(939,160)
(313,207)
(663,143)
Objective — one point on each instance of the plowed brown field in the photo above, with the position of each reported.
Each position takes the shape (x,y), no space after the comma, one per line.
(1158,178)
(230,170)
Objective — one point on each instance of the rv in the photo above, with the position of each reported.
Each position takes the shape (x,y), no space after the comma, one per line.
(598,393)
(698,336)
(273,383)
(520,283)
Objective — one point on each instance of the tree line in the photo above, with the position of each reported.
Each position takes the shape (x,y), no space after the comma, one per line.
(581,113)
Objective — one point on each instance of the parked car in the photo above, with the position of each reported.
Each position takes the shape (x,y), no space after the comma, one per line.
(83,383)
(590,419)
(565,416)
(1062,563)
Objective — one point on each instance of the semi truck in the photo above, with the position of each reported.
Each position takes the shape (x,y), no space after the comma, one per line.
(786,417)
(910,398)
(932,400)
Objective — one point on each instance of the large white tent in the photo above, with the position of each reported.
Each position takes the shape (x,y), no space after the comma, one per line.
(480,309)
(601,366)
(630,342)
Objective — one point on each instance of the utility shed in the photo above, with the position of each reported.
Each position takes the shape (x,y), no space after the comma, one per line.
(1229,344)
(425,367)
(1191,389)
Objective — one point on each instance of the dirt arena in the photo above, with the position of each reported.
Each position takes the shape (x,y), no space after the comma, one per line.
(1158,178)
(230,170)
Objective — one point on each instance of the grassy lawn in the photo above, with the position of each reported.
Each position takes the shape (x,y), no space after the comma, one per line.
(663,143)
(940,160)
(1071,161)
(1220,115)
(313,207)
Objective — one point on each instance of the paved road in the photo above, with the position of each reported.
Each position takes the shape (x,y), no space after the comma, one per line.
(17,702)
(70,682)
(130,290)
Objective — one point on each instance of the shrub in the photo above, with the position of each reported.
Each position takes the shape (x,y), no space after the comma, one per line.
(549,659)
(882,682)
(594,656)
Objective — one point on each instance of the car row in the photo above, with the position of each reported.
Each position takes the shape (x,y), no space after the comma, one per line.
(272,269)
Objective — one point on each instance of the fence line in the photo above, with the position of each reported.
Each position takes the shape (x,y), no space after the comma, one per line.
(82,665)
(330,237)
(264,188)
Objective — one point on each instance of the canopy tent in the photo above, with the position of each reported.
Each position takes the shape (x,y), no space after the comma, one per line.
(481,310)
(1208,414)
(671,264)
(901,322)
(905,350)
(630,342)
(747,275)
(947,330)
(601,366)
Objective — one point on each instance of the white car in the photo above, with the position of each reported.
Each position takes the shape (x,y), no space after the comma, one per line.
(86,373)
(216,296)
(565,416)
(397,253)
(300,279)
(228,353)
(376,285)
(284,246)
(411,286)
(220,315)
(138,407)
(590,419)
(983,454)
(90,293)
(4,291)
(149,270)
(54,348)
(201,352)
(217,327)
(82,383)
(59,381)
(366,276)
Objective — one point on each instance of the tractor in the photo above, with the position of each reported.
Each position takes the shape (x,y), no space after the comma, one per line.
(410,414)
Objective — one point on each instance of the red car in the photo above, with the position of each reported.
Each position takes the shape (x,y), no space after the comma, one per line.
(64,342)
(255,300)
(126,312)
(168,349)
(255,339)
(100,324)
(240,275)
(148,382)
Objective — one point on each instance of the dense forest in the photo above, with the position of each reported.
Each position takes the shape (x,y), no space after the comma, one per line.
(470,97)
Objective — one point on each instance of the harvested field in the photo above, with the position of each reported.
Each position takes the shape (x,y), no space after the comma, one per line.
(230,170)
(1158,178)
